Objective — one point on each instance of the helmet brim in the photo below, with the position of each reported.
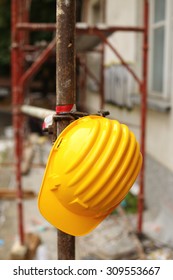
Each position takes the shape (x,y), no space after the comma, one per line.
(63,219)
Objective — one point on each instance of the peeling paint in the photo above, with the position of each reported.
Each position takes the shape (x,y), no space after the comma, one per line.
(67,3)
(58,40)
(60,11)
(67,83)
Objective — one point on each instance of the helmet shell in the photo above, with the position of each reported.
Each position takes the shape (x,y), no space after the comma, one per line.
(91,167)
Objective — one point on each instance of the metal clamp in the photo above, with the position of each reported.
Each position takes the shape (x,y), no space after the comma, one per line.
(51,121)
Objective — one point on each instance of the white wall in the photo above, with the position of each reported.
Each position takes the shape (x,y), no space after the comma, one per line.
(121,13)
(131,118)
(159,130)
(159,136)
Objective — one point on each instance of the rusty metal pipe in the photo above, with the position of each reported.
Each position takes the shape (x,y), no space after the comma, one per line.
(102,80)
(65,90)
(80,30)
(106,29)
(30,72)
(66,62)
(36,26)
(16,70)
(84,84)
(143,115)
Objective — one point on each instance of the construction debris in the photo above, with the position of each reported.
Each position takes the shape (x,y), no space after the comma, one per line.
(26,251)
(32,242)
(18,252)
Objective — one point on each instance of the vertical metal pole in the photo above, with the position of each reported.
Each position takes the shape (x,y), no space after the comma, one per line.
(102,84)
(16,71)
(65,90)
(84,83)
(82,80)
(143,115)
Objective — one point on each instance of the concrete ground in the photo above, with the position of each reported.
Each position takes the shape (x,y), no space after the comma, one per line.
(110,240)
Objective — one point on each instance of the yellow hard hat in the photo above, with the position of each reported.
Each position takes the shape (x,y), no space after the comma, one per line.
(91,167)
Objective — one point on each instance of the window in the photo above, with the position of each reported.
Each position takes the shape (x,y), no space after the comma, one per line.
(96,13)
(160,48)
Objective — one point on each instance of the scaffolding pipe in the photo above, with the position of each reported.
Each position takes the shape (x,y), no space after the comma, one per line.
(81,79)
(143,116)
(36,112)
(30,72)
(36,26)
(102,80)
(65,90)
(79,30)
(102,71)
(17,99)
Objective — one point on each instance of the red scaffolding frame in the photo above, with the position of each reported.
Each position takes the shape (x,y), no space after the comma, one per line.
(20,27)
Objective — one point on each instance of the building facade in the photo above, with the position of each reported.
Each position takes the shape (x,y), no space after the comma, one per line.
(122,93)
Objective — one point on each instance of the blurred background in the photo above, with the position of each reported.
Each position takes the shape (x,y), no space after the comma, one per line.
(124,66)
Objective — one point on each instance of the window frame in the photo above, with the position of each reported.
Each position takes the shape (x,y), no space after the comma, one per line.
(167,23)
